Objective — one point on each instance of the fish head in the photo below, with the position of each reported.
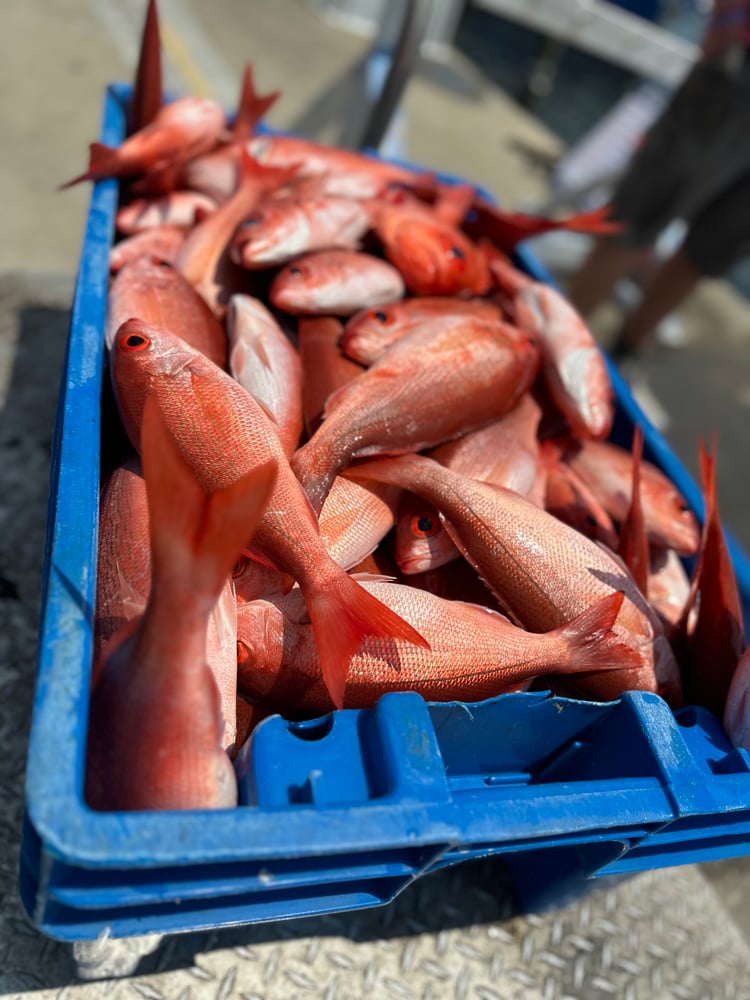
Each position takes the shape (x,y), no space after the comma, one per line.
(294,284)
(368,331)
(142,356)
(275,231)
(260,646)
(422,543)
(671,522)
(434,259)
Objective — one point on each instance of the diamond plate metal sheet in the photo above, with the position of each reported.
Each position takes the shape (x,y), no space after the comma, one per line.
(454,935)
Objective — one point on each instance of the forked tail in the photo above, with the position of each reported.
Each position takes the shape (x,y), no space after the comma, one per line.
(342,614)
(196,538)
(251,108)
(103,162)
(592,643)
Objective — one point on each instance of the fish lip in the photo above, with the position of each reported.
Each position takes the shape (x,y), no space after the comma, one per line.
(419,564)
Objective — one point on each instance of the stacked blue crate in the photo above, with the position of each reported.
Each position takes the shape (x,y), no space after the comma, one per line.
(345,811)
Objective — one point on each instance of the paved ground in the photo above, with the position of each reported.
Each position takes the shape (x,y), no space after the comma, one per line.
(55,59)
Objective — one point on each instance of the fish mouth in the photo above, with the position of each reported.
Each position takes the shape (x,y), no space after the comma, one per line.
(417,564)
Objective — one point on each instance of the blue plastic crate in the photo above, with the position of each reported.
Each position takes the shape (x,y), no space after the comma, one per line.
(345,811)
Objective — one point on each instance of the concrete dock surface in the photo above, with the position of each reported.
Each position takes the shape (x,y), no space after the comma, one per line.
(55,61)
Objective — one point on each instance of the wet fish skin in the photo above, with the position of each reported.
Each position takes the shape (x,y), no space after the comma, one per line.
(542,571)
(434,257)
(222,434)
(265,363)
(182,129)
(154,291)
(568,498)
(371,331)
(607,470)
(178,208)
(335,282)
(157,681)
(355,518)
(430,386)
(573,365)
(162,242)
(668,586)
(324,367)
(123,571)
(475,653)
(204,255)
(285,228)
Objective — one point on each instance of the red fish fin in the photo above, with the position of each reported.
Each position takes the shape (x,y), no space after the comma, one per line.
(509,228)
(102,163)
(251,108)
(590,636)
(596,220)
(717,640)
(633,544)
(195,535)
(342,615)
(254,172)
(147,90)
(453,202)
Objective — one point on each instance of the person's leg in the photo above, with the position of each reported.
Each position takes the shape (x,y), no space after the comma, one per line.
(670,284)
(607,262)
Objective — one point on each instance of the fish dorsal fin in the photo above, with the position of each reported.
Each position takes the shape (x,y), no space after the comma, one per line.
(147,95)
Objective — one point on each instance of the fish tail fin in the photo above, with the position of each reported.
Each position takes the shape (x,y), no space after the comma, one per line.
(591,640)
(196,537)
(147,94)
(596,220)
(103,162)
(254,172)
(342,614)
(633,543)
(252,107)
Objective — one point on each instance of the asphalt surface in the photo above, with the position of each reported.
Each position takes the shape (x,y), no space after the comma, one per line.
(55,60)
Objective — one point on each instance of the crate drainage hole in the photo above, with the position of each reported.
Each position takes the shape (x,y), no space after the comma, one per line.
(312,729)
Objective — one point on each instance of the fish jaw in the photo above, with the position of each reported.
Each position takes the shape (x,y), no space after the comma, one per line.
(272,235)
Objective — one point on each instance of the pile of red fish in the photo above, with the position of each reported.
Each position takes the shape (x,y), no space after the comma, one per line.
(367,454)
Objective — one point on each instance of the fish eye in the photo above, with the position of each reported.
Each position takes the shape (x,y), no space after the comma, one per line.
(380,316)
(251,220)
(682,506)
(456,252)
(295,270)
(591,520)
(163,263)
(424,526)
(135,342)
